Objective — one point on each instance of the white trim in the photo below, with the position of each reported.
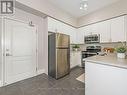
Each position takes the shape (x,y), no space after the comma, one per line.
(36,49)
(2,52)
(19,78)
(41,71)
(1,84)
(125,28)
(25,22)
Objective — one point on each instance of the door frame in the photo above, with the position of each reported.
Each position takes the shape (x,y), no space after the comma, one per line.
(3,46)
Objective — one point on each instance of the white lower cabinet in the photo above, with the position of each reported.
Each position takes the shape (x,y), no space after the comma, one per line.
(105,80)
(75,59)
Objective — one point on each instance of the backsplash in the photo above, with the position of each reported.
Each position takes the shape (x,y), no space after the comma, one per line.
(103,45)
(112,45)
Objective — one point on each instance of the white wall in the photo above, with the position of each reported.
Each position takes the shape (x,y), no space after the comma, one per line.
(42,36)
(45,7)
(107,12)
(45,45)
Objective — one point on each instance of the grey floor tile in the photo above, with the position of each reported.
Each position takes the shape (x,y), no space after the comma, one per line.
(46,85)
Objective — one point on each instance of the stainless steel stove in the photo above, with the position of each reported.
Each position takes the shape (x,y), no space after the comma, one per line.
(90,51)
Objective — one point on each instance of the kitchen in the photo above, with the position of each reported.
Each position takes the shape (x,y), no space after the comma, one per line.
(70,46)
(106,35)
(103,32)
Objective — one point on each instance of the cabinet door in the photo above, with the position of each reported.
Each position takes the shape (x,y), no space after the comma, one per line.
(87,30)
(63,28)
(52,25)
(104,29)
(73,37)
(80,36)
(72,60)
(118,29)
(94,28)
(78,57)
(57,26)
(75,59)
(72,33)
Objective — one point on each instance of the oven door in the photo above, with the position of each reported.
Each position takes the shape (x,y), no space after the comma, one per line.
(88,55)
(84,56)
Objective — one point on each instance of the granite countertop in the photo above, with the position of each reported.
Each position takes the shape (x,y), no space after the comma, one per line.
(109,59)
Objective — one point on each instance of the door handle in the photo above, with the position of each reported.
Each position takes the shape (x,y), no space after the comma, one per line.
(7,54)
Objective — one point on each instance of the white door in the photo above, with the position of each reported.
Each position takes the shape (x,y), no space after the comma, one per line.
(20,51)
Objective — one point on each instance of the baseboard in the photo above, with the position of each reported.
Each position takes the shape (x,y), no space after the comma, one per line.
(1,83)
(41,71)
(77,66)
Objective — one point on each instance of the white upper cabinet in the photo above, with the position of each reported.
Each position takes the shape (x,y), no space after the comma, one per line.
(118,29)
(52,25)
(72,33)
(94,28)
(59,27)
(80,35)
(85,31)
(104,30)
(113,30)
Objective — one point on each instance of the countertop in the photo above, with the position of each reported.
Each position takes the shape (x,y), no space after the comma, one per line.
(109,59)
(75,51)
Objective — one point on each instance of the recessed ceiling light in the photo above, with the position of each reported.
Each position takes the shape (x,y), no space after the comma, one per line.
(84,5)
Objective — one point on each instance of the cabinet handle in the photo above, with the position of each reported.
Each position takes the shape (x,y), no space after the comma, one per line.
(7,54)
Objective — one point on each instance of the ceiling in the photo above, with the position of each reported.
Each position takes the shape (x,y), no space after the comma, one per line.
(72,6)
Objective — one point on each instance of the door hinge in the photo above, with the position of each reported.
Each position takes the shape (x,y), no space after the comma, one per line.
(36,69)
(36,31)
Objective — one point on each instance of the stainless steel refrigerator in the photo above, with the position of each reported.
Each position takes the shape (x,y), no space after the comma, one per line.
(58,55)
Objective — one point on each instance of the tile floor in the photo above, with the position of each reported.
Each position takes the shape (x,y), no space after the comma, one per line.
(45,85)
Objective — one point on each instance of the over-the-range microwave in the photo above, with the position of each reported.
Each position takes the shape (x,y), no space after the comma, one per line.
(90,39)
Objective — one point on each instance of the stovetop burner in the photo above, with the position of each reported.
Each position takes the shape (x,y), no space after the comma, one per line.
(90,51)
